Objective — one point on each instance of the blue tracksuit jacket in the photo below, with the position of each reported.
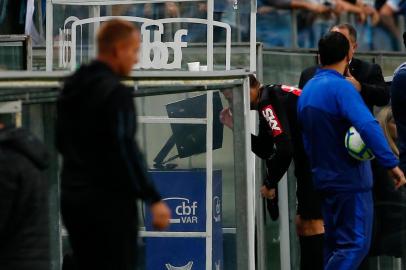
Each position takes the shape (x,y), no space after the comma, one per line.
(327,108)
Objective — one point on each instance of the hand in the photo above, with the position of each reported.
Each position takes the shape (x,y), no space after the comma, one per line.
(352,80)
(321,9)
(226,118)
(362,17)
(373,13)
(160,215)
(398,177)
(268,193)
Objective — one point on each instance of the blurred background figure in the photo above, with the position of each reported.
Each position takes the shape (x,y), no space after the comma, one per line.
(24,221)
(103,170)
(389,230)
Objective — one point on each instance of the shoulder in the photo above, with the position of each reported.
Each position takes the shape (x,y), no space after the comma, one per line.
(12,162)
(310,70)
(365,66)
(399,80)
(271,94)
(341,83)
(400,70)
(122,93)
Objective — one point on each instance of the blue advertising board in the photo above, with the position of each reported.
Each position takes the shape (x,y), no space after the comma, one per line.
(185,193)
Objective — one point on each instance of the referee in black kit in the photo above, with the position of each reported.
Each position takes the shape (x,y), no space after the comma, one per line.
(103,171)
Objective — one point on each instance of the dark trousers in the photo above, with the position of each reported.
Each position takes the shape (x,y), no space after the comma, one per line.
(348,219)
(102,230)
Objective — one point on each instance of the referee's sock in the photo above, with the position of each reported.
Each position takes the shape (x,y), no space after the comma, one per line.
(311,252)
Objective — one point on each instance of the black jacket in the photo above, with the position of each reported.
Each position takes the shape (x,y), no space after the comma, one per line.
(96,125)
(24,240)
(273,143)
(374,91)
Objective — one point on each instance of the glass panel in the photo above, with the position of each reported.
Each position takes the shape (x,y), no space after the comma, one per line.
(234,13)
(12,56)
(182,180)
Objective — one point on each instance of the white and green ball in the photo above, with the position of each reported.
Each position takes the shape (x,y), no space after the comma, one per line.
(356,146)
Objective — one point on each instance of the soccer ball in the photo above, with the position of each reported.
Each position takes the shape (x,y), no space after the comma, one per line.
(356,146)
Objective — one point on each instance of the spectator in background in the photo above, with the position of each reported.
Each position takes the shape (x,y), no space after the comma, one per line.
(367,78)
(274,22)
(388,12)
(198,32)
(24,224)
(320,24)
(389,229)
(295,4)
(390,203)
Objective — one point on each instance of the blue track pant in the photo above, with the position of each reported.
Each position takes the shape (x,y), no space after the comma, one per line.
(348,221)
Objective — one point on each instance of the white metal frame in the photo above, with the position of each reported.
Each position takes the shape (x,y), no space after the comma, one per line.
(208,235)
(96,5)
(147,22)
(13,107)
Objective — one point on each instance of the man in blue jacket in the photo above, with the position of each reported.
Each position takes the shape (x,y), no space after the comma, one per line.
(328,107)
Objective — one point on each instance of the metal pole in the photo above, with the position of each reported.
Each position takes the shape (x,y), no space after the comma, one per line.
(253,36)
(94,12)
(49,36)
(210,32)
(284,223)
(240,172)
(250,193)
(401,31)
(209,181)
(258,176)
(40,21)
(29,53)
(295,43)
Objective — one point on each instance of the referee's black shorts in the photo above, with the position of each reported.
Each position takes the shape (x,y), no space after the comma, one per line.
(309,200)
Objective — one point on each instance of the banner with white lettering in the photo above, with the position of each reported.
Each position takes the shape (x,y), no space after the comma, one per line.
(185,193)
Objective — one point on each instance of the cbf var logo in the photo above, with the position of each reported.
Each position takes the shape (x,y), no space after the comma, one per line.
(184,210)
(160,51)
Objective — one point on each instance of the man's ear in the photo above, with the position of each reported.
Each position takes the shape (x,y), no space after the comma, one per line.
(348,58)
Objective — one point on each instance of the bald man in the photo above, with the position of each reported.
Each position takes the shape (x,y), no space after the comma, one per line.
(103,172)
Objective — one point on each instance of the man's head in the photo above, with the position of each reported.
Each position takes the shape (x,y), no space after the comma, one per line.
(350,33)
(118,44)
(255,86)
(334,50)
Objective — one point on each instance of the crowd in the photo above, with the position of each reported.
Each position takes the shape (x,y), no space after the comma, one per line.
(378,23)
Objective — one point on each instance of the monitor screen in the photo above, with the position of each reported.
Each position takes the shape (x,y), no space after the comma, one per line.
(190,139)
